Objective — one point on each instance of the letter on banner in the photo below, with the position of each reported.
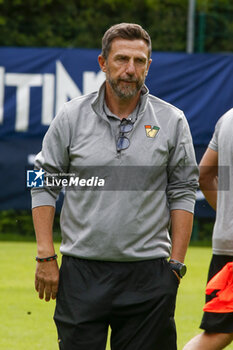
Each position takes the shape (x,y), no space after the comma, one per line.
(47,99)
(92,81)
(23,82)
(65,88)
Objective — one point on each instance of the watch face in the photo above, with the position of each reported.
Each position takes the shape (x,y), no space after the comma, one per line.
(183,270)
(179,268)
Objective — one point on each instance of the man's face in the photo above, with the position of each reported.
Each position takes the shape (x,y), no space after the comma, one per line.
(126,67)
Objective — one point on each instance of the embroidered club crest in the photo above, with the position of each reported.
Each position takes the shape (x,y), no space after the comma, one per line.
(151,131)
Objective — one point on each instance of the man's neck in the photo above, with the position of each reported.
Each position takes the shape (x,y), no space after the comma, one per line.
(118,106)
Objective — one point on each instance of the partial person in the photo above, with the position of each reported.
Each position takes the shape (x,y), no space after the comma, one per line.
(216,182)
(115,241)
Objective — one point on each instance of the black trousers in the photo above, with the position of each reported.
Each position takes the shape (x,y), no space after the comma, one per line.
(136,299)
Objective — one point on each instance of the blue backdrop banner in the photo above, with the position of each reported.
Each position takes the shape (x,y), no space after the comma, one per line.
(34,83)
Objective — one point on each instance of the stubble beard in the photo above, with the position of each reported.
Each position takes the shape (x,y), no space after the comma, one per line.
(125,91)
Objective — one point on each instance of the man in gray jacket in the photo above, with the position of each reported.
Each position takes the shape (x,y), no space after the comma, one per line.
(115,232)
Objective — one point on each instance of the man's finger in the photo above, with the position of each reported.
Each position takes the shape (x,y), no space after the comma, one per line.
(178,277)
(41,288)
(36,284)
(54,291)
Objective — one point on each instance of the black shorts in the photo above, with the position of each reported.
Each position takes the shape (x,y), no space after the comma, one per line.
(136,299)
(213,321)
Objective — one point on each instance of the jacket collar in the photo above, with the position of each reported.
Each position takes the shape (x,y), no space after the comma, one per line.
(98,104)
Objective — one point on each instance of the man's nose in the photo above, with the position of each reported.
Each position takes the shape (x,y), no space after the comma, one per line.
(130,69)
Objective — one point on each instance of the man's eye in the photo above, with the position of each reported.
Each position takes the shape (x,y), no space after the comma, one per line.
(122,59)
(140,60)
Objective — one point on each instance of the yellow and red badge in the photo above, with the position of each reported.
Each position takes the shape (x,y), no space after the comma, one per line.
(151,131)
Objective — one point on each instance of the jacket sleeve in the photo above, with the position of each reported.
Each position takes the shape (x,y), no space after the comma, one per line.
(53,159)
(214,141)
(182,169)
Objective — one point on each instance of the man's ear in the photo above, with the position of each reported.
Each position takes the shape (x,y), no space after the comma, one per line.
(148,66)
(102,63)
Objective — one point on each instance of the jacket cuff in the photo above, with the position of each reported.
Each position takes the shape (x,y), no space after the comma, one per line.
(187,205)
(40,198)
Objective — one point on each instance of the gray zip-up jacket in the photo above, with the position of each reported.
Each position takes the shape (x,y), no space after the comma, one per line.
(126,219)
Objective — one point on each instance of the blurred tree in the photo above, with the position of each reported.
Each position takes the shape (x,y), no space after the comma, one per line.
(81,23)
(215,25)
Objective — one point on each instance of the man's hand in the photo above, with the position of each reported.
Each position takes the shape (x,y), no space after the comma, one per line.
(47,279)
(178,277)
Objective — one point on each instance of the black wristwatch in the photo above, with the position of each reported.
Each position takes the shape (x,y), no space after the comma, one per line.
(178,267)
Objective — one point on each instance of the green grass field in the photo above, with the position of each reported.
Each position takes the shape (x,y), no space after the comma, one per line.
(27,322)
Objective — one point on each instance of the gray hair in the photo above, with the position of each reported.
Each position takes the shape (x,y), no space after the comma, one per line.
(128,31)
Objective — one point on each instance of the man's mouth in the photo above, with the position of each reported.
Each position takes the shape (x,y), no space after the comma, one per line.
(127,81)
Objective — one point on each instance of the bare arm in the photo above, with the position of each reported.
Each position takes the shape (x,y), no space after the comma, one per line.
(182,222)
(47,273)
(209,176)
